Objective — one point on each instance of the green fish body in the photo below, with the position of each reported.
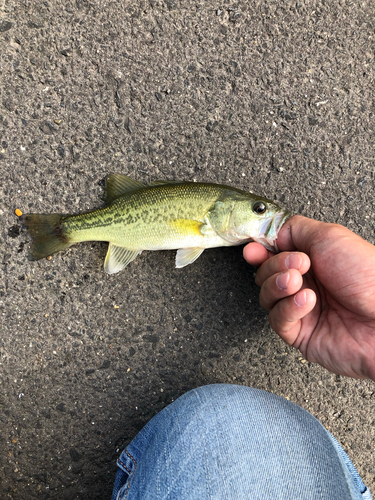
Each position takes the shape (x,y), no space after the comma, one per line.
(169,215)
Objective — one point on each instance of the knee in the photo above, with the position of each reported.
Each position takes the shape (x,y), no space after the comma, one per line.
(247,405)
(232,395)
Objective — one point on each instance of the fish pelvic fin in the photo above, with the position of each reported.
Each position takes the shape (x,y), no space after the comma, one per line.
(186,256)
(118,258)
(47,233)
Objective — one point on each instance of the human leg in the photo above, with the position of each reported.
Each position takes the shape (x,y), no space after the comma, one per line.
(234,442)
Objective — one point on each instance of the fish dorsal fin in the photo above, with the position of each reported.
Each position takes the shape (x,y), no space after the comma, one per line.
(118,258)
(118,184)
(186,256)
(163,183)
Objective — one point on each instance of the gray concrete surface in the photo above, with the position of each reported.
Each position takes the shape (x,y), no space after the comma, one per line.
(272,96)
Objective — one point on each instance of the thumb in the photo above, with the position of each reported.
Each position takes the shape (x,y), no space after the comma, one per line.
(299,233)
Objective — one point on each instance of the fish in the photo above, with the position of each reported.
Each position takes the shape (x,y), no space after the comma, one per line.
(164,215)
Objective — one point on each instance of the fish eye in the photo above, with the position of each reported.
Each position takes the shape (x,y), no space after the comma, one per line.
(259,207)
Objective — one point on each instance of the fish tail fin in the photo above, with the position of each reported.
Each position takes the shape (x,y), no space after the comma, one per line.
(47,234)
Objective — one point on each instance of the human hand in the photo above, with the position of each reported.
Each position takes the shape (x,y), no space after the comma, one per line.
(320,294)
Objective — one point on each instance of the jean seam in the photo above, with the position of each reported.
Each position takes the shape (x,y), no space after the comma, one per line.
(122,463)
(131,474)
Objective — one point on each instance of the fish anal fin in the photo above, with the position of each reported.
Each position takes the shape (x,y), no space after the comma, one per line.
(186,256)
(118,258)
(117,185)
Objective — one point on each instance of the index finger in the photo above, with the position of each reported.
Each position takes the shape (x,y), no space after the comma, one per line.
(282,262)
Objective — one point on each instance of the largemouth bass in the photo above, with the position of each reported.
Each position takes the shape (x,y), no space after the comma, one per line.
(165,215)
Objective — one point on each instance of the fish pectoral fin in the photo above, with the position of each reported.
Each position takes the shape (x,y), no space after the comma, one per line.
(186,256)
(117,185)
(187,226)
(118,258)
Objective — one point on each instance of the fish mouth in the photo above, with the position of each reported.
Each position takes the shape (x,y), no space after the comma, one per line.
(271,231)
(282,219)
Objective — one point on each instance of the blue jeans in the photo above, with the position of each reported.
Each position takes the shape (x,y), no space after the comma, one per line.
(229,442)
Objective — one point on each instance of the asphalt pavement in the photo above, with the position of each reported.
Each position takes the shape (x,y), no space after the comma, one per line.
(275,97)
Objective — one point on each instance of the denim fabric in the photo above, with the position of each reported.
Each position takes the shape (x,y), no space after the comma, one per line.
(228,442)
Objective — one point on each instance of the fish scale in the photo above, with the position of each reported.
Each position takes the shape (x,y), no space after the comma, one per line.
(144,218)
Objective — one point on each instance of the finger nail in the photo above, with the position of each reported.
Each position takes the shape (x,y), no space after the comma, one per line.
(282,280)
(300,299)
(293,261)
